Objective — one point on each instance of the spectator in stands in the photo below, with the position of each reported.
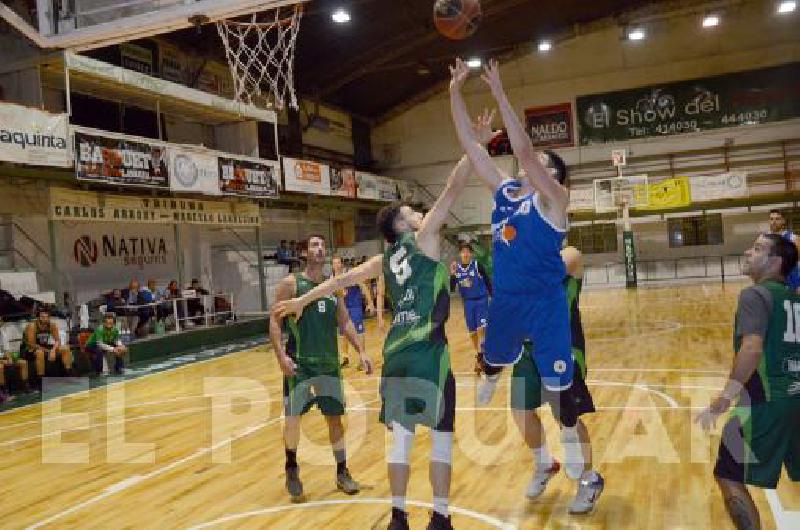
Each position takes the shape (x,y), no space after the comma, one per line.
(172,290)
(11,364)
(115,301)
(159,295)
(282,254)
(294,252)
(134,296)
(41,341)
(105,343)
(195,305)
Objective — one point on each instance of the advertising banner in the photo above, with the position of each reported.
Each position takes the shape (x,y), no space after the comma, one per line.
(193,170)
(249,178)
(306,176)
(367,185)
(343,182)
(551,126)
(31,136)
(120,160)
(732,185)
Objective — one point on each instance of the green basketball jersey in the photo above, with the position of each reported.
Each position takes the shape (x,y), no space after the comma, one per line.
(312,337)
(778,372)
(417,287)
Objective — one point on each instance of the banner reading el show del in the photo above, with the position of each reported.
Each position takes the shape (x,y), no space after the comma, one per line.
(118,160)
(550,126)
(730,100)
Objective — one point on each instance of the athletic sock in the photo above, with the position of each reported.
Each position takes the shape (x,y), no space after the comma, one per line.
(291,458)
(341,461)
(542,457)
(441,505)
(399,503)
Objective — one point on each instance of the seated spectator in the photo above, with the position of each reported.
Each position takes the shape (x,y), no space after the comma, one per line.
(105,343)
(134,296)
(41,341)
(195,305)
(10,364)
(159,295)
(115,301)
(282,254)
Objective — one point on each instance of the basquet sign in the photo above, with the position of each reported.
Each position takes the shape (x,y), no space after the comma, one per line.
(30,136)
(306,176)
(249,178)
(74,205)
(551,126)
(120,160)
(730,100)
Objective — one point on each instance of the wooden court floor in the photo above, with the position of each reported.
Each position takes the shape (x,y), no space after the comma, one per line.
(200,446)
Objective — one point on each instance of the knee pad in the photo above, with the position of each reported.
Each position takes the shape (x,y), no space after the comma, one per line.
(442,447)
(402,442)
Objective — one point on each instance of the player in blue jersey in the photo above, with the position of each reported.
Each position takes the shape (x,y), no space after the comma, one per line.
(777,225)
(355,298)
(475,287)
(529,222)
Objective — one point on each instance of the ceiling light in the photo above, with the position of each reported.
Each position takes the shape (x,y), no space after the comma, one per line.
(787,7)
(711,21)
(341,16)
(545,46)
(474,62)
(636,34)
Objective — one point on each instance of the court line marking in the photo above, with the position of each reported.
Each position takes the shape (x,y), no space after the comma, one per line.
(784,519)
(485,518)
(138,479)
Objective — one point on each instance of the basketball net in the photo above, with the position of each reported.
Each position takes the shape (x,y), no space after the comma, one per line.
(261,56)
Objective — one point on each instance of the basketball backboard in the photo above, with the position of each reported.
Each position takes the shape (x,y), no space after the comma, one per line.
(86,24)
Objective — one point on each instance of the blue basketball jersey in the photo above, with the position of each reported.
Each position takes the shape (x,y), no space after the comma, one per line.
(793,280)
(527,247)
(353,297)
(471,283)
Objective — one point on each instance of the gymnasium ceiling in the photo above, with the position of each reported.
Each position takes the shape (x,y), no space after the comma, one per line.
(390,54)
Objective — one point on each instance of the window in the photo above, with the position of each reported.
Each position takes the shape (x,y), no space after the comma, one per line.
(594,239)
(695,230)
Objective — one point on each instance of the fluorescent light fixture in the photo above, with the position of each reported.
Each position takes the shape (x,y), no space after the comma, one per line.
(474,62)
(710,21)
(341,16)
(636,34)
(545,46)
(787,6)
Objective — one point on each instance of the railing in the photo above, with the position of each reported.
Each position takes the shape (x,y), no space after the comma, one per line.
(701,267)
(178,309)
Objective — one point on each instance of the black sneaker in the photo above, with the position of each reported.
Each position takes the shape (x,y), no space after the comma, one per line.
(293,484)
(346,484)
(439,522)
(399,520)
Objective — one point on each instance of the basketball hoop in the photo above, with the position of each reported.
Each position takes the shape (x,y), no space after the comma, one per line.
(260,55)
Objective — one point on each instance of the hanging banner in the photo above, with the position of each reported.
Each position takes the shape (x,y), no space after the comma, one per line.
(120,160)
(581,199)
(343,182)
(730,100)
(551,126)
(31,136)
(257,179)
(193,170)
(406,190)
(75,205)
(669,193)
(732,185)
(367,185)
(306,176)
(387,189)
(630,259)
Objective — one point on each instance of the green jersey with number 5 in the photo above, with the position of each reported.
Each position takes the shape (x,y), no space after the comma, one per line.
(778,373)
(417,287)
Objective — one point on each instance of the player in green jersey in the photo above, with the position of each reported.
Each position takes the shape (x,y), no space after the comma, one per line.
(310,364)
(763,432)
(417,385)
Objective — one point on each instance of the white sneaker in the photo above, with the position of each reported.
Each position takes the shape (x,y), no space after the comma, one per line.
(540,479)
(486,387)
(590,487)
(574,463)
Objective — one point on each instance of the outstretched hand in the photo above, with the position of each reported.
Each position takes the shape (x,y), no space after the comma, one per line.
(491,76)
(458,73)
(483,126)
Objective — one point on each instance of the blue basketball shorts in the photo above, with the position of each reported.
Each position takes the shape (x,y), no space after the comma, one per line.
(357,316)
(542,318)
(476,313)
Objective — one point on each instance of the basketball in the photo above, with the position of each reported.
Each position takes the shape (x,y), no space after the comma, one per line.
(457,19)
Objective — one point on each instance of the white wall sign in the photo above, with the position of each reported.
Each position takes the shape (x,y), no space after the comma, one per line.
(30,136)
(192,170)
(619,157)
(581,199)
(387,189)
(724,186)
(306,176)
(367,185)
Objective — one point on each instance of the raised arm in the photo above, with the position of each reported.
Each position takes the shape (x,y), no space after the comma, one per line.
(362,273)
(471,143)
(535,171)
(428,233)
